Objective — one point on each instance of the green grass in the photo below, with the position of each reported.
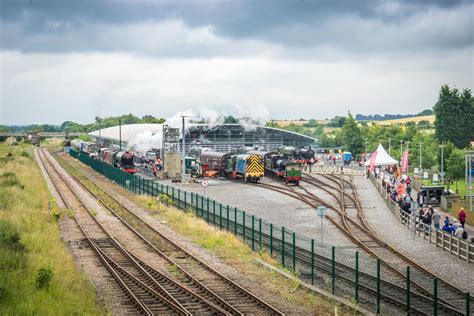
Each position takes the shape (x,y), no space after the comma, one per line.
(30,246)
(233,251)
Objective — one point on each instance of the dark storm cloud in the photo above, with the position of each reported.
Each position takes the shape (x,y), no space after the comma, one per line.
(361,26)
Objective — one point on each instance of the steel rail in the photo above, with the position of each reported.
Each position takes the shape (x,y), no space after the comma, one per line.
(129,292)
(176,287)
(113,210)
(344,228)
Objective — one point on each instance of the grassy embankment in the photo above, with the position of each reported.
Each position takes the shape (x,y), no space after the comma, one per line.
(233,251)
(38,275)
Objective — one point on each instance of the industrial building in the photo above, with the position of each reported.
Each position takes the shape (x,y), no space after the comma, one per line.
(220,137)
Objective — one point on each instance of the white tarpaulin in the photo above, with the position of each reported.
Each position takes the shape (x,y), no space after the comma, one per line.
(382,158)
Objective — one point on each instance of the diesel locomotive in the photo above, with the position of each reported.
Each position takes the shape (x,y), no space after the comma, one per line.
(279,166)
(244,167)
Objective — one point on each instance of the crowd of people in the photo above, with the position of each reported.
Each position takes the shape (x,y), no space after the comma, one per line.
(150,166)
(400,191)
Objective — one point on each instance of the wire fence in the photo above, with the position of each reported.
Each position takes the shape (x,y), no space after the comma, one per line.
(343,272)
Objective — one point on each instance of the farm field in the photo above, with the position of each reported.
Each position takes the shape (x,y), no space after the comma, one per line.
(416,119)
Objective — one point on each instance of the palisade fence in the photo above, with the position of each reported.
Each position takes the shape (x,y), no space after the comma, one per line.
(343,272)
(458,247)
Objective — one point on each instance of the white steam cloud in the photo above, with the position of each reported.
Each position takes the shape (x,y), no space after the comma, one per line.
(248,115)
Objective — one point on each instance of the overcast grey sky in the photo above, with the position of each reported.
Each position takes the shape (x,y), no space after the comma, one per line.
(74,60)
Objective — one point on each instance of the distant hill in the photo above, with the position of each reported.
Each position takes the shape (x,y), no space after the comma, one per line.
(378,117)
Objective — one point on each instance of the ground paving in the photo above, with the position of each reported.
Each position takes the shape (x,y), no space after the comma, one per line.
(387,225)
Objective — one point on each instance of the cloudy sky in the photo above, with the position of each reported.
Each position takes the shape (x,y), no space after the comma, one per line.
(74,60)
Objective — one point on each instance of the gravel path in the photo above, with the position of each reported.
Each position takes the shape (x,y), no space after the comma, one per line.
(386,224)
(274,207)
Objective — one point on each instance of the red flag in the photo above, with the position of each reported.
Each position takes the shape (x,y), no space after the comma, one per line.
(372,162)
(405,161)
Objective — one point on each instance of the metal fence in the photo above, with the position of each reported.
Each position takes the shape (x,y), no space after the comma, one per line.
(343,272)
(458,247)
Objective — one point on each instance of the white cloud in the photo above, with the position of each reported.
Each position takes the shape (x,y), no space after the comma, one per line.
(47,89)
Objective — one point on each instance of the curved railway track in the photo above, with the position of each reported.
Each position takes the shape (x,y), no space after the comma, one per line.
(354,223)
(421,298)
(193,272)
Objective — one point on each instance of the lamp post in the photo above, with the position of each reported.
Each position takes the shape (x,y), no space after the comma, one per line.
(442,146)
(401,147)
(183,149)
(120,134)
(421,159)
(389,147)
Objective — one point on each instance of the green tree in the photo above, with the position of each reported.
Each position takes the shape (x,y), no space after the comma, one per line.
(454,116)
(352,136)
(455,164)
(311,123)
(230,120)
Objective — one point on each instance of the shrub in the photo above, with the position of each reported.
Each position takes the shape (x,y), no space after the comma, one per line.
(9,179)
(10,236)
(3,294)
(43,278)
(25,154)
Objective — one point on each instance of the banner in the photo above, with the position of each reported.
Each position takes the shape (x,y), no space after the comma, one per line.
(372,162)
(405,161)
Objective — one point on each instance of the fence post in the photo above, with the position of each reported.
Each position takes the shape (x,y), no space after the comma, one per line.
(207,209)
(408,290)
(197,205)
(243,224)
(312,261)
(227,218)
(220,215)
(468,303)
(235,221)
(357,277)
(185,203)
(202,206)
(294,252)
(253,233)
(271,239)
(167,190)
(283,246)
(333,270)
(179,198)
(435,296)
(214,212)
(260,233)
(378,286)
(192,198)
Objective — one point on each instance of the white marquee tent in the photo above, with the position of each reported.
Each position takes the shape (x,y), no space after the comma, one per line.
(383,158)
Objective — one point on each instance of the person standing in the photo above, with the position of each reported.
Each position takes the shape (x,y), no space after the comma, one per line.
(462,216)
(436,218)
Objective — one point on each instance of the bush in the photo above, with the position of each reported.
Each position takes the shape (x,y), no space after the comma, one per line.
(43,278)
(10,237)
(25,154)
(9,179)
(3,293)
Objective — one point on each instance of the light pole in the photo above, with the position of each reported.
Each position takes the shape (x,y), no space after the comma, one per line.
(389,147)
(421,159)
(183,149)
(442,163)
(120,134)
(401,147)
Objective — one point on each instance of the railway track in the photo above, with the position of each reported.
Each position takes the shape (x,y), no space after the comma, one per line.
(354,223)
(142,293)
(193,272)
(392,291)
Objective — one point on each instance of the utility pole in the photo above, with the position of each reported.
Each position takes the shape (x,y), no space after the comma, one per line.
(442,163)
(183,149)
(389,147)
(401,148)
(100,143)
(408,154)
(120,134)
(421,159)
